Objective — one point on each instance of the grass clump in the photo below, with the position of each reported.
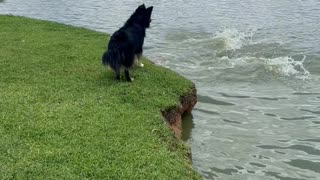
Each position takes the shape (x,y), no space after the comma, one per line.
(62,115)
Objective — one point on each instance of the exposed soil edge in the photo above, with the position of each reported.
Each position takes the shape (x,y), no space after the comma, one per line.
(173,115)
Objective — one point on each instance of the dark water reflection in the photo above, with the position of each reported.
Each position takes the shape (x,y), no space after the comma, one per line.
(187,126)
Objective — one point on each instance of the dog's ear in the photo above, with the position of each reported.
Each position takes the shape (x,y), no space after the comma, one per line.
(141,9)
(142,6)
(149,10)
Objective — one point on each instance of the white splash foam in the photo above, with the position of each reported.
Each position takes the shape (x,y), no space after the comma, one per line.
(287,66)
(233,39)
(283,66)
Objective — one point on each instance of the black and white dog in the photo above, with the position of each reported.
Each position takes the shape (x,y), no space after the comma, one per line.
(126,44)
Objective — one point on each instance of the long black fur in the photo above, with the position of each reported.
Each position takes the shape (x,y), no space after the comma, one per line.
(127,42)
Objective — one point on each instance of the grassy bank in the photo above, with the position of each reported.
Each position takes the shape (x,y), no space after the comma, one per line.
(62,115)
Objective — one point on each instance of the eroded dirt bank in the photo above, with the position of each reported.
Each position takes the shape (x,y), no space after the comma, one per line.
(173,115)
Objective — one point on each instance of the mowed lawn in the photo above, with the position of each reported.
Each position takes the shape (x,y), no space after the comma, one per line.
(63,116)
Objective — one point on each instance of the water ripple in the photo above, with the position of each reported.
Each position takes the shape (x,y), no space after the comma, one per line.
(306,149)
(209,100)
(305,164)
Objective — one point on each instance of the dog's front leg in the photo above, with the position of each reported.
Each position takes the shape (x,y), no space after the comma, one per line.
(139,59)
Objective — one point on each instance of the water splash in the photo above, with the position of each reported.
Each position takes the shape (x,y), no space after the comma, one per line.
(234,39)
(279,66)
(233,53)
(287,66)
(234,49)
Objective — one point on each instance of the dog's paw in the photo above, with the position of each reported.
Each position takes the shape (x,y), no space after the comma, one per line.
(130,79)
(141,65)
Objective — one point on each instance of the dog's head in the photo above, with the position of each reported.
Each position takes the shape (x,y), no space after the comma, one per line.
(141,16)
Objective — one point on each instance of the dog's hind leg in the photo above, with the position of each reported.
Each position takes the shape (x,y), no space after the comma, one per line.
(117,71)
(126,72)
(128,63)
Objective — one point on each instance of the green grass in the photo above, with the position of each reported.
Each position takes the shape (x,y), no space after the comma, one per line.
(63,116)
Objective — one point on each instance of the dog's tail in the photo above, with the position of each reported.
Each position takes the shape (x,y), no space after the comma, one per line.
(114,55)
(111,57)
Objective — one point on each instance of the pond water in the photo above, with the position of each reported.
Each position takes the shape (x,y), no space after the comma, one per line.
(256,65)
